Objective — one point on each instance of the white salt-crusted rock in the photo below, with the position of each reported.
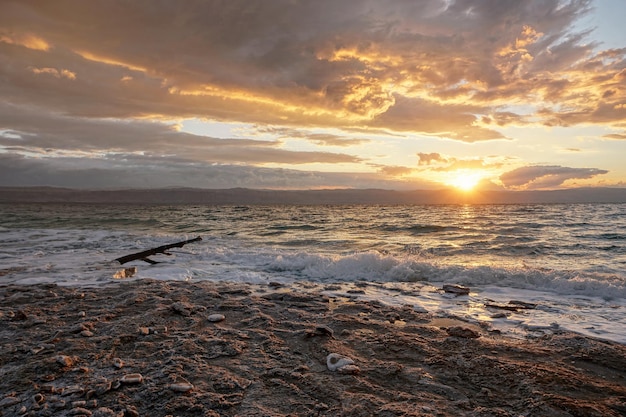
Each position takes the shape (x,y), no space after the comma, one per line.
(342,364)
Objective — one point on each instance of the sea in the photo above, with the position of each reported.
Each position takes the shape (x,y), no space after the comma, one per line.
(564,263)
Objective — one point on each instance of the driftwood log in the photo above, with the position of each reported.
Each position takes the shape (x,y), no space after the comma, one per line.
(161,249)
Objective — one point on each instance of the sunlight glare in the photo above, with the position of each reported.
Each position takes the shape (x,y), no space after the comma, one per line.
(466,181)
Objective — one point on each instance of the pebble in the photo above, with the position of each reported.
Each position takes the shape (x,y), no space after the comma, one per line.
(78,328)
(64,360)
(79,411)
(9,401)
(107,412)
(72,389)
(456,289)
(118,363)
(132,379)
(37,349)
(463,332)
(184,309)
(86,333)
(216,318)
(144,331)
(181,387)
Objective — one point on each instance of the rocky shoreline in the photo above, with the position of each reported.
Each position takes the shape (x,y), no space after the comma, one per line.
(156,348)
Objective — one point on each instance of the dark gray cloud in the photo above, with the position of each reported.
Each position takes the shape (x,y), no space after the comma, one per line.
(136,171)
(316,62)
(52,133)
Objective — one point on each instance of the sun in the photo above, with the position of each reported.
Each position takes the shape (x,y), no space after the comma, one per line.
(466,181)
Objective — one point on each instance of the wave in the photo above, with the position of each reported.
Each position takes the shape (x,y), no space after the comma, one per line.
(375,266)
(418,229)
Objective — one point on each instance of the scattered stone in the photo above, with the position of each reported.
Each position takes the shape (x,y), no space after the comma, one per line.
(9,401)
(79,411)
(215,318)
(463,332)
(321,330)
(523,304)
(50,389)
(456,289)
(118,363)
(37,349)
(86,333)
(103,387)
(107,412)
(125,273)
(78,328)
(71,390)
(64,360)
(509,307)
(158,330)
(184,309)
(181,387)
(131,412)
(132,379)
(144,331)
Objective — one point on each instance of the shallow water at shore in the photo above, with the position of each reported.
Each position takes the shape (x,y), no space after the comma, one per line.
(567,259)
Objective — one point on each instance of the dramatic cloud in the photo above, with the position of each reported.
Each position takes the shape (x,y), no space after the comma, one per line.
(112,77)
(537,177)
(58,134)
(138,171)
(396,64)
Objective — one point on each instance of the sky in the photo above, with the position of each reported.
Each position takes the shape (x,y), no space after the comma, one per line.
(313,94)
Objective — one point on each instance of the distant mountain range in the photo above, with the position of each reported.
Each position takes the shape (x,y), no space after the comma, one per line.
(244,196)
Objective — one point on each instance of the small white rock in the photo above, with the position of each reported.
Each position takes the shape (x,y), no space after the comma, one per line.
(336,361)
(118,363)
(216,318)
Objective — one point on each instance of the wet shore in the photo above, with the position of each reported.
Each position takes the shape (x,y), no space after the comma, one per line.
(159,348)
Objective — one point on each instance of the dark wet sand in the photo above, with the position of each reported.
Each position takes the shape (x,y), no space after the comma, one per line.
(147,348)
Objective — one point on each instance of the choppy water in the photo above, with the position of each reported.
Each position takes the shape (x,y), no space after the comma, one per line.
(571,259)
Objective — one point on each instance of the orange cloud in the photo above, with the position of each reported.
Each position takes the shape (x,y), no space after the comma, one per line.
(26,40)
(63,73)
